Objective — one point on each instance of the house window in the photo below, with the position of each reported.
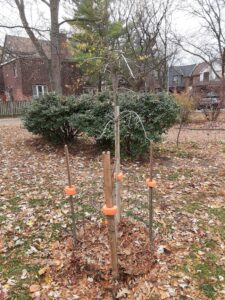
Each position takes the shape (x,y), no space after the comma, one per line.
(206,76)
(201,76)
(155,74)
(39,90)
(15,73)
(175,79)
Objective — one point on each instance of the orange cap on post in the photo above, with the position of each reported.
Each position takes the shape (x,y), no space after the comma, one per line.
(150,183)
(70,190)
(109,211)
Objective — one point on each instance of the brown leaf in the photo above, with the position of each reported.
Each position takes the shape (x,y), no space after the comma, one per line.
(43,271)
(34,288)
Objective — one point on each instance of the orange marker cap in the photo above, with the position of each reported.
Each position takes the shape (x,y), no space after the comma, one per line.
(70,191)
(109,211)
(150,183)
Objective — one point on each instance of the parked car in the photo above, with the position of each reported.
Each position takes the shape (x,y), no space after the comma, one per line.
(210,101)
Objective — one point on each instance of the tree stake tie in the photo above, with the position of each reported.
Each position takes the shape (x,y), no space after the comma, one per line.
(110,212)
(70,191)
(151,183)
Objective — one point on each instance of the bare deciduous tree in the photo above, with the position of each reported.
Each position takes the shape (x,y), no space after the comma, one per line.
(35,32)
(148,39)
(208,42)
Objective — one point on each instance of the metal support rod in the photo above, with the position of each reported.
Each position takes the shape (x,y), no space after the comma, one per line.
(150,199)
(117,161)
(71,197)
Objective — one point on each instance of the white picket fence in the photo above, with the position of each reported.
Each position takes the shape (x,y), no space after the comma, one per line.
(14,108)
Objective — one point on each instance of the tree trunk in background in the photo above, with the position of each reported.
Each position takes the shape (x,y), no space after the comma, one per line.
(53,63)
(55,47)
(223,81)
(99,82)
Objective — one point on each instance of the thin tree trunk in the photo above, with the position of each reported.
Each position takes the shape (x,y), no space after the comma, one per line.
(99,82)
(55,47)
(117,142)
(53,63)
(179,131)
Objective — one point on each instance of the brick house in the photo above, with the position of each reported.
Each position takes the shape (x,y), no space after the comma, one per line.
(24,74)
(197,79)
(205,80)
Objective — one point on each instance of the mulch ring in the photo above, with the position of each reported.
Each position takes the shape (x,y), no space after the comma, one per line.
(89,264)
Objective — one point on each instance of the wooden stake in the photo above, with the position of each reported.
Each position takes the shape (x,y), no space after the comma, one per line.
(111,219)
(71,197)
(150,199)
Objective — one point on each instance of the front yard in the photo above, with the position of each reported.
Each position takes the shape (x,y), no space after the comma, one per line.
(36,255)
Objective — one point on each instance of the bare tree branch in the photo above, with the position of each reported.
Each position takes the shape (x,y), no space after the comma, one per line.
(37,45)
(46,2)
(23,27)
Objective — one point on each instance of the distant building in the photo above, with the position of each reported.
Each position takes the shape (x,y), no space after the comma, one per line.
(24,74)
(197,79)
(205,81)
(180,77)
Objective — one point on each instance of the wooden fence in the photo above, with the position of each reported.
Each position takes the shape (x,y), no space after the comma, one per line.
(14,108)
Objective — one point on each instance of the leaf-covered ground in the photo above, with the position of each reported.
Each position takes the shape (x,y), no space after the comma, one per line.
(37,259)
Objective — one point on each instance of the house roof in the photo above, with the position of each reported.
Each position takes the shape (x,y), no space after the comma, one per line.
(180,71)
(199,68)
(17,46)
(7,62)
(184,70)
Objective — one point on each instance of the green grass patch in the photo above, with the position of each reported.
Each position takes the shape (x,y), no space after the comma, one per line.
(38,202)
(209,243)
(2,219)
(209,290)
(14,204)
(12,266)
(20,294)
(192,207)
(218,212)
(135,217)
(173,176)
(204,269)
(182,153)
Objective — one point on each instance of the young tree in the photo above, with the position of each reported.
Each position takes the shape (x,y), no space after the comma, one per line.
(95,38)
(96,45)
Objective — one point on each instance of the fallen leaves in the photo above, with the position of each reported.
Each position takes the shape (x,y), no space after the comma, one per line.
(35,235)
(34,288)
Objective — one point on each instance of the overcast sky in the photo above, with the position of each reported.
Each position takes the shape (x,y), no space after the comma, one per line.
(38,15)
